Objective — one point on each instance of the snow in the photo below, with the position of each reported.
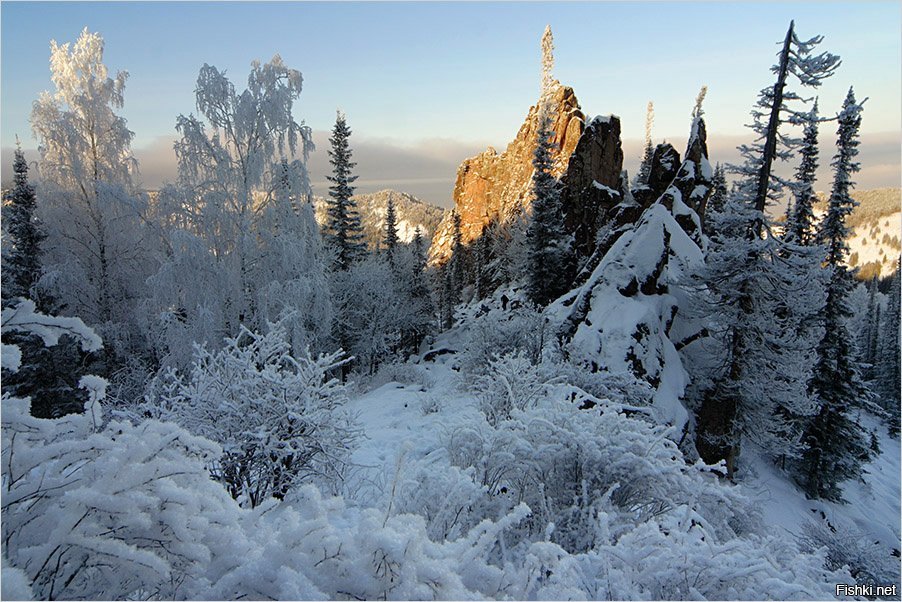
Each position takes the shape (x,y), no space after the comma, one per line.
(607,189)
(625,328)
(602,119)
(867,245)
(23,317)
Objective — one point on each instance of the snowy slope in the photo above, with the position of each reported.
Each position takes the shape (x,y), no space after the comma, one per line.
(875,245)
(876,239)
(870,519)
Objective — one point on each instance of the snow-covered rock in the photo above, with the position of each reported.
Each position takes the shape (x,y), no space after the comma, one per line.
(619,320)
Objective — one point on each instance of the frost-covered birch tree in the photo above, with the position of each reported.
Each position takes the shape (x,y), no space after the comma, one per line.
(242,246)
(96,255)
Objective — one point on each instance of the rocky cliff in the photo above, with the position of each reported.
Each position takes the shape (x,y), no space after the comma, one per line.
(494,187)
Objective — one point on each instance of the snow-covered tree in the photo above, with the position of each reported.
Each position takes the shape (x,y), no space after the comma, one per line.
(773,110)
(48,375)
(24,235)
(96,252)
(836,443)
(344,232)
(390,240)
(718,199)
(887,371)
(870,334)
(550,253)
(649,151)
(415,287)
(241,245)
(758,296)
(800,218)
(371,312)
(763,291)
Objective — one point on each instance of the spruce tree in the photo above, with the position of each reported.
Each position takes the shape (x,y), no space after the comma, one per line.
(549,259)
(22,253)
(649,152)
(887,370)
(48,375)
(800,220)
(457,270)
(344,231)
(718,199)
(390,240)
(836,444)
(871,332)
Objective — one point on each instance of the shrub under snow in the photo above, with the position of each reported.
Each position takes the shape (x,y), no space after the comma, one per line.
(280,419)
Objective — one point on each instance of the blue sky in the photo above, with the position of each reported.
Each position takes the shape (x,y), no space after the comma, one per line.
(453,77)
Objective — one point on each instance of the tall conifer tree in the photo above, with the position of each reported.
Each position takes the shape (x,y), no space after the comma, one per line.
(800,220)
(549,246)
(343,229)
(390,240)
(22,253)
(836,444)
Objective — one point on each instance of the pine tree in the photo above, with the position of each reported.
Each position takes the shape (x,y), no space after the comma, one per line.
(344,231)
(836,445)
(22,256)
(390,240)
(549,261)
(763,291)
(887,371)
(48,375)
(649,152)
(772,110)
(718,199)
(800,220)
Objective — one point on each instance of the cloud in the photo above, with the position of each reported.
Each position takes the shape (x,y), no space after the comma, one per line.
(880,157)
(427,168)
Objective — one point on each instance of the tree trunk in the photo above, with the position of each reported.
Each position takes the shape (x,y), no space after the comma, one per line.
(770,143)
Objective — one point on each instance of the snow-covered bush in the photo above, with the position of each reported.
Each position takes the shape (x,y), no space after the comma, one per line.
(499,328)
(98,511)
(511,382)
(561,461)
(846,546)
(280,419)
(676,557)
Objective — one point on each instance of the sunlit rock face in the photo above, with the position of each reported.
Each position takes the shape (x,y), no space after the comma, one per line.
(493,187)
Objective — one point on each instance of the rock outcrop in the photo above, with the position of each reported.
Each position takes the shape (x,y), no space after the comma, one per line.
(494,187)
(621,316)
(592,180)
(664,166)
